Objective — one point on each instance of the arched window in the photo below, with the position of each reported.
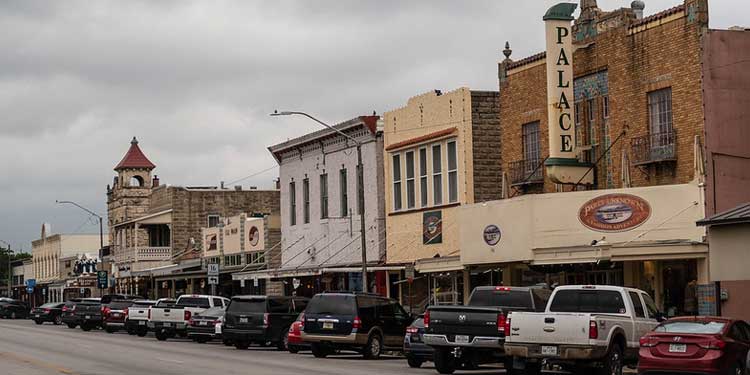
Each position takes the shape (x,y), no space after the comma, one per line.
(136,181)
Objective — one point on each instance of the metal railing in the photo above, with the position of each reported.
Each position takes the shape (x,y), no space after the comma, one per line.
(654,147)
(525,172)
(142,253)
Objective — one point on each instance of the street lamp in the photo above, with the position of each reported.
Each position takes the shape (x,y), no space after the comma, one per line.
(92,213)
(360,188)
(10,268)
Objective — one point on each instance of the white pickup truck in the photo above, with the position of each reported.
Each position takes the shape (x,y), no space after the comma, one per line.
(169,320)
(583,328)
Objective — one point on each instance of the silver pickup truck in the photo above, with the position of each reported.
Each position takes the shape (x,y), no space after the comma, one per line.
(169,320)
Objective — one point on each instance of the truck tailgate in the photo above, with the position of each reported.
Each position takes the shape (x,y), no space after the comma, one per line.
(167,314)
(555,328)
(464,320)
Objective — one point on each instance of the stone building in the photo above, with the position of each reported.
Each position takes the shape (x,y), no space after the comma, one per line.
(320,214)
(442,150)
(156,229)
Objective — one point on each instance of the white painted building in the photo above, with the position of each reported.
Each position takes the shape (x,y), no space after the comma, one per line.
(320,220)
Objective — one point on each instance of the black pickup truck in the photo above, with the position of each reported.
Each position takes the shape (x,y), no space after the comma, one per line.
(468,336)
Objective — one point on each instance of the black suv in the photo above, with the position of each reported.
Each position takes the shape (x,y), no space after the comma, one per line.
(261,319)
(365,323)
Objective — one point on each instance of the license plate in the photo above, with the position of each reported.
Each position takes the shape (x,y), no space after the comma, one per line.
(36,316)
(115,315)
(203,323)
(167,324)
(677,348)
(327,325)
(243,320)
(87,317)
(549,350)
(462,339)
(142,323)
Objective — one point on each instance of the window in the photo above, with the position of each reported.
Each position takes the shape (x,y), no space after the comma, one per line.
(324,196)
(580,136)
(437,176)
(660,111)
(594,301)
(637,305)
(217,302)
(396,182)
(531,150)
(213,221)
(410,188)
(292,204)
(255,258)
(423,176)
(605,107)
(650,306)
(452,173)
(306,200)
(344,193)
(591,104)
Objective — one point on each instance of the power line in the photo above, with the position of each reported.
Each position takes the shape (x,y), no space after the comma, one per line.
(252,175)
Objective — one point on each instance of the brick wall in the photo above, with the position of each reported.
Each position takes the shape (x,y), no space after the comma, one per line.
(486,145)
(664,54)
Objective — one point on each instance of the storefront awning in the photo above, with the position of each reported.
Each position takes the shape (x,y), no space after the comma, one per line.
(443,264)
(641,251)
(168,269)
(292,272)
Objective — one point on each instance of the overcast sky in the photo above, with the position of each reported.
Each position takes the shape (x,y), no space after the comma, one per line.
(195,81)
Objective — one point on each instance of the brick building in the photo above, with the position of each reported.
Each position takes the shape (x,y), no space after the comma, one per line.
(442,150)
(156,229)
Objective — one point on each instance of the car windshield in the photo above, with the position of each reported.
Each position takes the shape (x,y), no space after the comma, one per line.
(247,305)
(330,304)
(213,312)
(710,328)
(201,302)
(501,297)
(588,301)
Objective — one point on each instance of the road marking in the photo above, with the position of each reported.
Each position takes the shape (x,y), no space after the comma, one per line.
(37,363)
(169,360)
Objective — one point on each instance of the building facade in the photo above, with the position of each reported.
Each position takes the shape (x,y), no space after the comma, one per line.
(157,229)
(321,243)
(442,150)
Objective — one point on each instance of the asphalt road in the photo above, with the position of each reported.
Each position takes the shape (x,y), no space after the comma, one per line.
(28,349)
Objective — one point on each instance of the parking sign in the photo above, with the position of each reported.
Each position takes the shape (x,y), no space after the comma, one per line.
(213,269)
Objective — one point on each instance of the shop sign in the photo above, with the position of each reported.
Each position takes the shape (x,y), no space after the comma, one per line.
(492,235)
(102,279)
(211,242)
(432,227)
(614,213)
(254,236)
(295,283)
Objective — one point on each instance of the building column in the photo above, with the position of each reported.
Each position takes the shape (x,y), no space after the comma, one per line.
(467,286)
(507,275)
(703,273)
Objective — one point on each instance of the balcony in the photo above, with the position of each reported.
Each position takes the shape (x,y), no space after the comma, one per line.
(526,172)
(653,148)
(144,253)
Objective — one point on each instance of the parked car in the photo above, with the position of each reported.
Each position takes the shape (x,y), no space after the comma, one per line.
(202,327)
(169,320)
(13,309)
(136,323)
(468,336)
(263,320)
(294,343)
(88,312)
(68,315)
(696,345)
(49,312)
(115,314)
(415,350)
(366,323)
(582,328)
(108,298)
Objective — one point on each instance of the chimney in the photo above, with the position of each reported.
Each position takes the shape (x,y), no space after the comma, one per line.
(238,187)
(638,6)
(155,181)
(221,185)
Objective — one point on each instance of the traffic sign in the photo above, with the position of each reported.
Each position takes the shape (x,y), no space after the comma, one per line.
(213,269)
(213,280)
(29,289)
(31,283)
(102,279)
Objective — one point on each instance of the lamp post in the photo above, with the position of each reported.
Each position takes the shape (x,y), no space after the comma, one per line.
(360,188)
(92,213)
(10,268)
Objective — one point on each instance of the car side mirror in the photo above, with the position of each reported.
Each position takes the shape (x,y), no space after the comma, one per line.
(660,317)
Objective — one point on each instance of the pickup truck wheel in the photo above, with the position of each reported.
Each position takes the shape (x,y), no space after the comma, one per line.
(227,342)
(141,332)
(161,335)
(374,347)
(414,362)
(283,342)
(613,361)
(445,363)
(319,351)
(72,325)
(241,345)
(38,322)
(86,327)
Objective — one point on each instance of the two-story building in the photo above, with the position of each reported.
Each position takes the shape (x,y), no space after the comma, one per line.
(442,151)
(156,229)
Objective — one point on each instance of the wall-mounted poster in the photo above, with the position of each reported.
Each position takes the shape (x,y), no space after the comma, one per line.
(432,227)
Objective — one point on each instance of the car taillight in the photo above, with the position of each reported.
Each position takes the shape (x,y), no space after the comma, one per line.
(302,322)
(427,319)
(715,344)
(217,321)
(188,315)
(507,326)
(356,323)
(593,330)
(65,308)
(106,311)
(648,342)
(502,321)
(265,320)
(149,314)
(47,310)
(125,312)
(412,330)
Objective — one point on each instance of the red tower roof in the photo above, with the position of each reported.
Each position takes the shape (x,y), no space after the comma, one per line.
(135,158)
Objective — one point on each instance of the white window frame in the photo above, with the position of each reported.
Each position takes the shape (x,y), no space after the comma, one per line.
(453,192)
(437,174)
(424,189)
(396,174)
(411,200)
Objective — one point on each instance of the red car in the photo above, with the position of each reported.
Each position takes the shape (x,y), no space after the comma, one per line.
(294,337)
(696,345)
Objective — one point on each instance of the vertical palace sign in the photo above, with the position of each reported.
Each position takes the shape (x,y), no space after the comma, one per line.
(562,165)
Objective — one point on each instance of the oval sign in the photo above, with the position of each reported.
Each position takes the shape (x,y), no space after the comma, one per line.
(614,213)
(492,235)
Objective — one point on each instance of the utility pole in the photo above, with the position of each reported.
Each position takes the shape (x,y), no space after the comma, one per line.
(360,189)
(92,213)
